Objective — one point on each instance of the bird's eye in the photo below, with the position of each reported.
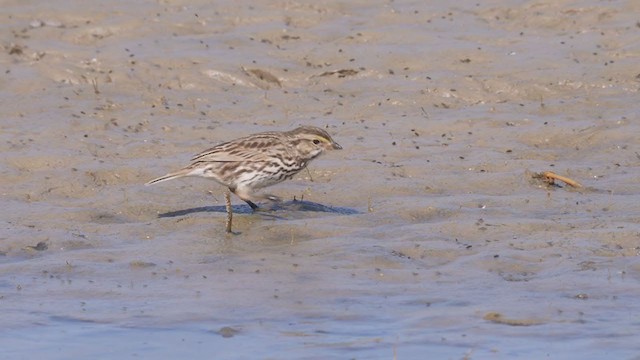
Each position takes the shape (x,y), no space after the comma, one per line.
(316,141)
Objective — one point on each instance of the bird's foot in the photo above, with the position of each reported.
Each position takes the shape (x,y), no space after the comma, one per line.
(271,205)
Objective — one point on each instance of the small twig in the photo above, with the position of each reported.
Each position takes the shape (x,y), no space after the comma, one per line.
(227,198)
(424,113)
(550,177)
(94,83)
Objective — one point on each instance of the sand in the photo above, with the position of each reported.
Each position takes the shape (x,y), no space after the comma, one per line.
(426,234)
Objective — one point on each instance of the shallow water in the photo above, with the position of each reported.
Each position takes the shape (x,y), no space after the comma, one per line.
(425,235)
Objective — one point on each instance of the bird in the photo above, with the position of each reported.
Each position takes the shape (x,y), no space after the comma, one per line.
(250,163)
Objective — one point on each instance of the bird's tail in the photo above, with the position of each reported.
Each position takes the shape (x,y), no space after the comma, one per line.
(171,176)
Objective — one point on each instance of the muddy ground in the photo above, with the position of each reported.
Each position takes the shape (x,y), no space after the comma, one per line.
(426,234)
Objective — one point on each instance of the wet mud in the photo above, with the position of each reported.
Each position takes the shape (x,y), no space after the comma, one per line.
(426,234)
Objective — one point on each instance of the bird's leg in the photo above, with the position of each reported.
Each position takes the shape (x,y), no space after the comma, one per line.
(245,196)
(254,207)
(274,201)
(227,198)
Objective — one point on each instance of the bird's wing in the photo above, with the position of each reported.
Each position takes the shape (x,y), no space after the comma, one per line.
(218,155)
(241,152)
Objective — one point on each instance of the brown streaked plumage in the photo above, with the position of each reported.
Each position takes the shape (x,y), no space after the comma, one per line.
(250,163)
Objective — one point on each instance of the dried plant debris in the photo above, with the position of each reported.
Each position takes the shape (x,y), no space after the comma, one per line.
(341,73)
(500,319)
(264,76)
(550,179)
(40,246)
(15,49)
(227,78)
(141,264)
(227,332)
(37,23)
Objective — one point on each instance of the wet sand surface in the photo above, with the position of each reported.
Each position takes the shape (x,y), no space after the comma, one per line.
(425,235)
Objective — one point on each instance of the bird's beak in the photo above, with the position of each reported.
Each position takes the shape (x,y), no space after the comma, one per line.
(336,146)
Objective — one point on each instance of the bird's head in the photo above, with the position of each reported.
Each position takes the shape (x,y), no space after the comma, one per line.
(311,141)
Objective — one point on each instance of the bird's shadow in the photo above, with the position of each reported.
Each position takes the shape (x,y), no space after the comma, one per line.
(271,210)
